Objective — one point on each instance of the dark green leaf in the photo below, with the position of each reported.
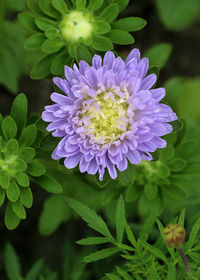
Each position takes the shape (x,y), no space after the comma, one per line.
(33,6)
(80,4)
(150,190)
(42,68)
(11,147)
(27,153)
(128,176)
(44,23)
(120,219)
(109,13)
(22,179)
(93,241)
(49,184)
(28,135)
(35,168)
(18,209)
(175,191)
(35,41)
(2,196)
(48,9)
(26,197)
(129,24)
(35,270)
(84,54)
(177,164)
(27,20)
(58,63)
(155,251)
(52,45)
(4,179)
(174,88)
(171,275)
(95,4)
(181,218)
(9,127)
(101,27)
(102,43)
(121,37)
(60,6)
(111,276)
(193,235)
(159,54)
(13,191)
(12,264)
(122,3)
(99,255)
(11,220)
(90,217)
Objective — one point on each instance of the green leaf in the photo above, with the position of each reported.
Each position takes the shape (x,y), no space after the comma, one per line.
(28,135)
(18,209)
(128,176)
(9,127)
(52,45)
(80,4)
(174,88)
(175,191)
(27,153)
(177,164)
(26,197)
(16,6)
(60,6)
(4,179)
(171,275)
(120,219)
(27,20)
(11,220)
(35,168)
(150,190)
(84,54)
(159,54)
(155,251)
(130,235)
(95,4)
(20,165)
(148,224)
(11,147)
(57,68)
(129,24)
(112,276)
(48,9)
(12,264)
(90,217)
(35,41)
(42,68)
(132,193)
(44,23)
(51,33)
(177,15)
(2,196)
(105,181)
(153,273)
(19,111)
(122,4)
(55,211)
(48,183)
(166,154)
(13,191)
(121,37)
(35,270)
(109,13)
(193,235)
(102,43)
(99,255)
(101,27)
(22,179)
(33,6)
(181,218)
(93,241)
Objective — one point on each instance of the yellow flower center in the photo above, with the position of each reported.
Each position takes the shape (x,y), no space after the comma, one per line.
(76,25)
(107,116)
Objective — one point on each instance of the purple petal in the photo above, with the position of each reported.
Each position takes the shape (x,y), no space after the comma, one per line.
(72,161)
(149,81)
(134,157)
(132,54)
(109,57)
(97,61)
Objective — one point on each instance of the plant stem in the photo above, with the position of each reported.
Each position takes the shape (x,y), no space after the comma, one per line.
(185,261)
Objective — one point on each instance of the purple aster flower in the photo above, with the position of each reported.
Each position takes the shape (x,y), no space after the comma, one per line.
(108,115)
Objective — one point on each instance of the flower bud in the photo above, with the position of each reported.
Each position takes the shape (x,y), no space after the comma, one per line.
(174,235)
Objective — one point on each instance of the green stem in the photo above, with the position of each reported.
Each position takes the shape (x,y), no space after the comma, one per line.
(185,261)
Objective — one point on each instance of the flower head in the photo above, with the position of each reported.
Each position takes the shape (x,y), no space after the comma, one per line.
(109,114)
(174,235)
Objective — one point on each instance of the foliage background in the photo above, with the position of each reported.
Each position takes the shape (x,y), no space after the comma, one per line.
(184,96)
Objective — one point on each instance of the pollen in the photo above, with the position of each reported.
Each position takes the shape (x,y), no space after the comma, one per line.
(76,25)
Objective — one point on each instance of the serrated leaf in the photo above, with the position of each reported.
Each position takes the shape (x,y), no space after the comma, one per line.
(49,184)
(90,217)
(35,270)
(112,276)
(155,251)
(159,54)
(36,168)
(19,111)
(13,191)
(123,273)
(9,127)
(129,24)
(27,20)
(11,220)
(102,43)
(121,37)
(95,4)
(93,241)
(120,219)
(18,209)
(60,6)
(99,255)
(109,13)
(54,212)
(182,218)
(28,135)
(52,45)
(35,41)
(130,235)
(12,264)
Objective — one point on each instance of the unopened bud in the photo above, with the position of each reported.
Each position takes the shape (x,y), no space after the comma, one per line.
(174,235)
